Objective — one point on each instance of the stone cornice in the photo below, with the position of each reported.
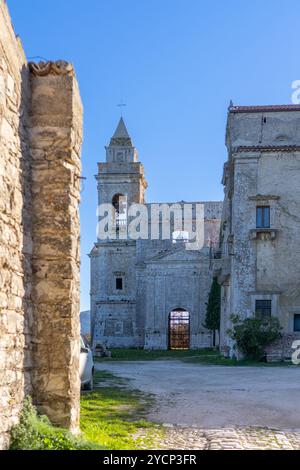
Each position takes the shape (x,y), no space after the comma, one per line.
(262,197)
(115,301)
(267,148)
(43,69)
(264,108)
(121,142)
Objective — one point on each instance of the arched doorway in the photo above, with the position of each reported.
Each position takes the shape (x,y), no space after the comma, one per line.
(179,329)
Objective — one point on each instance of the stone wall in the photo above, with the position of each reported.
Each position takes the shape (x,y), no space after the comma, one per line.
(114,313)
(158,277)
(282,349)
(182,279)
(55,140)
(40,139)
(262,171)
(15,239)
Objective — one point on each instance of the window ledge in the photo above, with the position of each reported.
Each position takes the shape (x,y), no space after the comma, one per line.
(263,233)
(261,197)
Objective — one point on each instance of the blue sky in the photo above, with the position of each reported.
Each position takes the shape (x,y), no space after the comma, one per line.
(177,64)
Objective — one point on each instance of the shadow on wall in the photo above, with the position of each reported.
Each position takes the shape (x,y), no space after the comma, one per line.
(26,234)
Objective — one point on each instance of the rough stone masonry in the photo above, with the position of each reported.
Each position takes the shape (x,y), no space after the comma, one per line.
(258,266)
(148,293)
(40,141)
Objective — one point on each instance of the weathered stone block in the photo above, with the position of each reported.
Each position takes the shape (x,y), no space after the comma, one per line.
(40,141)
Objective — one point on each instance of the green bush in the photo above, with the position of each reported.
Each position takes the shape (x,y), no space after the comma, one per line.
(35,432)
(253,335)
(213,309)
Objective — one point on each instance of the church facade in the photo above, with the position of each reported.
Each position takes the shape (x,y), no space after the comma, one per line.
(148,292)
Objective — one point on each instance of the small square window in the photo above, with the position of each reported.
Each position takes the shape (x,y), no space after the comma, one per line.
(263,217)
(119,283)
(263,308)
(297,322)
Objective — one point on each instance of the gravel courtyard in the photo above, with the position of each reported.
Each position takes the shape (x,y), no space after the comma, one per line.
(214,407)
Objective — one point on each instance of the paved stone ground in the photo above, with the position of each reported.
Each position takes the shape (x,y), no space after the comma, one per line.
(191,438)
(215,407)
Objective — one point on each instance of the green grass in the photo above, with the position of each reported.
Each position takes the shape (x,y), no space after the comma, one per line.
(114,415)
(206,356)
(222,361)
(144,355)
(35,432)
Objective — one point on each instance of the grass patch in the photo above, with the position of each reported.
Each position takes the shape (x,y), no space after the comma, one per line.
(35,432)
(145,355)
(114,415)
(206,356)
(223,361)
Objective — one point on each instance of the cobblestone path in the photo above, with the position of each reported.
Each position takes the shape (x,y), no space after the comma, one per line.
(192,438)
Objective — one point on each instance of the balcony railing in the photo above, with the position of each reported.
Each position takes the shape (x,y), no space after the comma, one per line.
(121,223)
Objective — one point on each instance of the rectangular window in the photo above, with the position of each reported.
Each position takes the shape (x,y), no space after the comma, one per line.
(263,308)
(297,322)
(263,217)
(119,283)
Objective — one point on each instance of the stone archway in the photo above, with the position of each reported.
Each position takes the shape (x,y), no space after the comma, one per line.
(119,202)
(179,329)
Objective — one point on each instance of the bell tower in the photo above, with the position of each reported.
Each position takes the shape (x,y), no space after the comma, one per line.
(120,148)
(121,183)
(122,174)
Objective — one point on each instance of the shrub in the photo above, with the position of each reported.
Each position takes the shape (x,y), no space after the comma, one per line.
(35,432)
(254,334)
(213,308)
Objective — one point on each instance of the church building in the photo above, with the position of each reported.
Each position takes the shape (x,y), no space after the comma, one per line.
(148,293)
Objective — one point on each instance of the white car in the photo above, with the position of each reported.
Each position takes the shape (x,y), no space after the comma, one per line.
(86,370)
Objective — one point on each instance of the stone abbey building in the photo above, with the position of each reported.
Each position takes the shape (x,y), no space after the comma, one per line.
(147,293)
(259,253)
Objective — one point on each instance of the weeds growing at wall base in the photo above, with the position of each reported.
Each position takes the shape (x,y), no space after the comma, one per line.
(35,432)
(112,417)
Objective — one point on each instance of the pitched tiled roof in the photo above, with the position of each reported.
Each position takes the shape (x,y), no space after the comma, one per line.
(267,108)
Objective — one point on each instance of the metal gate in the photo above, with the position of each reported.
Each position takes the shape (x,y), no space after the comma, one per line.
(179,329)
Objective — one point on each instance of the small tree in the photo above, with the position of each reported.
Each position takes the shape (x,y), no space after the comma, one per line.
(213,309)
(253,335)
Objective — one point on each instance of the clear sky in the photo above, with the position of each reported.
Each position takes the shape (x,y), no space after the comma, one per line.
(177,64)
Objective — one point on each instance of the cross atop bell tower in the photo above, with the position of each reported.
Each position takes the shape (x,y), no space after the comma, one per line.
(120,148)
